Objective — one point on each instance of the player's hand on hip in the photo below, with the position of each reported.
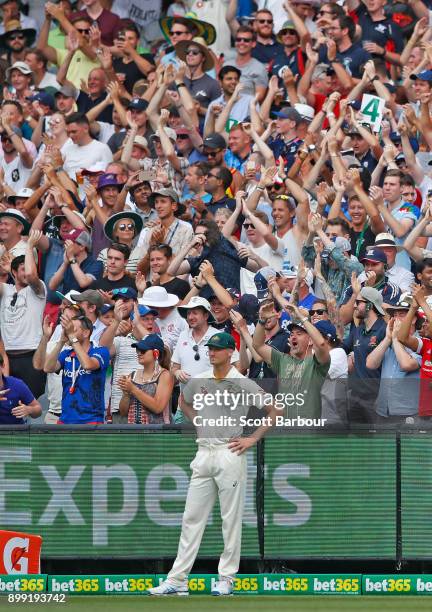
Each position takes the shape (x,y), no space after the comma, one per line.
(240,445)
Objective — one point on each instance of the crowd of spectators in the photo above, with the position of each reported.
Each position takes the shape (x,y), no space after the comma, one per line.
(261,169)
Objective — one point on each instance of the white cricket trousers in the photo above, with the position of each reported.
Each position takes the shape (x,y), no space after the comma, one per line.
(216,471)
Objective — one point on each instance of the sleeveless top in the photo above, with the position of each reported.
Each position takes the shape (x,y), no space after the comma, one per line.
(139,414)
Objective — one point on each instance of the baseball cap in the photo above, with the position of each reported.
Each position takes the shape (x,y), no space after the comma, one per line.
(24,192)
(21,66)
(138,104)
(261,281)
(395,137)
(70,296)
(305,111)
(342,243)
(214,141)
(166,193)
(248,307)
(149,343)
(143,311)
(327,329)
(107,180)
(126,293)
(91,296)
(168,131)
(426,75)
(404,302)
(141,141)
(375,254)
(296,324)
(372,295)
(68,91)
(288,112)
(96,168)
(221,340)
(44,98)
(106,308)
(79,236)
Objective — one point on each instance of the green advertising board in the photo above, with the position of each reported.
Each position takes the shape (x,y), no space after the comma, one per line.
(122,495)
(416,486)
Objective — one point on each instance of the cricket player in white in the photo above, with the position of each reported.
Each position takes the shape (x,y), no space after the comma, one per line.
(219,467)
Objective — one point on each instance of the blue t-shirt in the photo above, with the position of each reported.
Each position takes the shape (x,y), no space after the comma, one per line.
(86,404)
(90,266)
(18,391)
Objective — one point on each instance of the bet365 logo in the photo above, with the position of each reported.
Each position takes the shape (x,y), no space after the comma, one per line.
(19,553)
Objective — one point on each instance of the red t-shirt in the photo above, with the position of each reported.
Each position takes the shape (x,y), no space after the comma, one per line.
(425,399)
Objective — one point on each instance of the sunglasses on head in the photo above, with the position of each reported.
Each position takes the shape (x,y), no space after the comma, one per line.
(124,226)
(197,356)
(318,311)
(120,291)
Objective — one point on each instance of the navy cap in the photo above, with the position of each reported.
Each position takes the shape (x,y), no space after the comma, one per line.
(106,308)
(149,343)
(138,104)
(262,286)
(234,293)
(426,75)
(43,98)
(248,307)
(395,137)
(214,141)
(376,255)
(126,293)
(327,329)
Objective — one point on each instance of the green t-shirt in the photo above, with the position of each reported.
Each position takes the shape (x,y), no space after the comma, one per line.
(300,382)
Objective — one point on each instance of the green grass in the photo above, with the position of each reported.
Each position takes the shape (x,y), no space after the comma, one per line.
(199,603)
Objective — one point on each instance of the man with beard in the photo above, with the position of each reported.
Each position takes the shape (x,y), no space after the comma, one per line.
(303,371)
(375,265)
(15,40)
(266,48)
(362,340)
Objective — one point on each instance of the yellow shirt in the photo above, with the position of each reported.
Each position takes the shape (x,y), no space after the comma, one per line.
(79,68)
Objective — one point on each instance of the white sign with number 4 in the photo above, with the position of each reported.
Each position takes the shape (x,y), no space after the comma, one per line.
(372,109)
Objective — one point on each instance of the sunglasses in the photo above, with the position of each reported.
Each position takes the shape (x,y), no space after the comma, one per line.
(6,139)
(16,37)
(197,356)
(193,52)
(269,21)
(215,176)
(248,225)
(319,311)
(182,136)
(325,13)
(357,302)
(14,300)
(83,31)
(178,32)
(124,226)
(291,32)
(87,323)
(246,40)
(212,153)
(276,186)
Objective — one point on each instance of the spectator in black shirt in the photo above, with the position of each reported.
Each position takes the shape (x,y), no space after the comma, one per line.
(130,66)
(351,55)
(97,92)
(267,47)
(116,275)
(217,182)
(160,256)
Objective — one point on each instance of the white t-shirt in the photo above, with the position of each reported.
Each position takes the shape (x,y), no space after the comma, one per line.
(76,158)
(49,80)
(338,364)
(171,328)
(290,248)
(273,258)
(184,355)
(16,174)
(21,317)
